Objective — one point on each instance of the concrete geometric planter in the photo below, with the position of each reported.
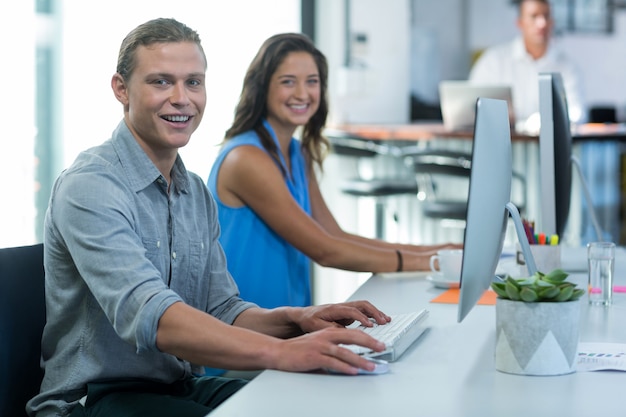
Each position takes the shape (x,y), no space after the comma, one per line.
(539,338)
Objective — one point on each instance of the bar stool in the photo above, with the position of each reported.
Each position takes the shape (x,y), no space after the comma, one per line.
(378,188)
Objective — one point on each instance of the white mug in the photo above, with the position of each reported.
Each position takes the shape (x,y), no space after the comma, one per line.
(449,262)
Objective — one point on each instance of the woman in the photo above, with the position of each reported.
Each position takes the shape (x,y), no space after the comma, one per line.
(273,217)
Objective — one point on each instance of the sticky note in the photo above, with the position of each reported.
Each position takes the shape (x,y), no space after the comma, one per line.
(451,296)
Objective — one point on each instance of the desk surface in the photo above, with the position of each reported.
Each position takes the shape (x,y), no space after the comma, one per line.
(449,371)
(428,131)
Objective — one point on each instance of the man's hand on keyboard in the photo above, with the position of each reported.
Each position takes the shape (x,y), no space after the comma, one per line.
(324,328)
(321,350)
(337,315)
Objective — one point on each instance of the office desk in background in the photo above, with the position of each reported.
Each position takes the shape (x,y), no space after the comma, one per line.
(448,372)
(430,131)
(612,132)
(599,146)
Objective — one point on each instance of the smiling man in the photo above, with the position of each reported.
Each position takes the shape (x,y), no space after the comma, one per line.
(138,295)
(518,63)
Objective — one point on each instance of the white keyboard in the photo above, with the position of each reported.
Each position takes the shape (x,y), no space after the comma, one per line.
(397,335)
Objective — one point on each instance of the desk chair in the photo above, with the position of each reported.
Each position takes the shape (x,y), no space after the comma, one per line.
(602,114)
(22,319)
(378,188)
(443,179)
(433,167)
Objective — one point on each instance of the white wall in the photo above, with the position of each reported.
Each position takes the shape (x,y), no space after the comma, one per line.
(438,51)
(230,39)
(602,61)
(86,36)
(374,88)
(17,161)
(486,29)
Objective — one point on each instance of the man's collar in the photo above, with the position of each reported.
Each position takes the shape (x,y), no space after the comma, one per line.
(139,168)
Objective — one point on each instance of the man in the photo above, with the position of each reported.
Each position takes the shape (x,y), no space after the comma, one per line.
(137,289)
(519,62)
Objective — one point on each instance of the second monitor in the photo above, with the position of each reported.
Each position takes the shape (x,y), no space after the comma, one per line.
(556,159)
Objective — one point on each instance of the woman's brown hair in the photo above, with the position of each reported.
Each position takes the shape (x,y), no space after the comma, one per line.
(252,107)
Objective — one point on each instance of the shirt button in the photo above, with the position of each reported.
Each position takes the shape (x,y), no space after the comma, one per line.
(158,243)
(173,255)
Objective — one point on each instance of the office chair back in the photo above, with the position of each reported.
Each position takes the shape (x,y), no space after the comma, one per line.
(603,114)
(22,319)
(435,170)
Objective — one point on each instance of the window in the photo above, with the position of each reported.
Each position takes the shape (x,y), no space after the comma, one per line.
(58,98)
(583,16)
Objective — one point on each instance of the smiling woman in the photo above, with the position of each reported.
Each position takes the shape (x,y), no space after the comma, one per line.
(58,104)
(273,216)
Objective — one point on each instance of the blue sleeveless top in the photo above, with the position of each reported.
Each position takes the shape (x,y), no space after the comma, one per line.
(268,270)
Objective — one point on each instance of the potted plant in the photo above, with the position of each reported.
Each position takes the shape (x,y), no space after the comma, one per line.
(537,324)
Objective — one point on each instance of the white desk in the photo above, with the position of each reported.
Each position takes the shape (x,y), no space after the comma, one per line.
(449,371)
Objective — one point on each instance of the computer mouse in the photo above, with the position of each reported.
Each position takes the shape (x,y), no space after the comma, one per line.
(382,367)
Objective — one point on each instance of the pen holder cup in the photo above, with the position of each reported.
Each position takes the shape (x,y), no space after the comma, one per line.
(547,258)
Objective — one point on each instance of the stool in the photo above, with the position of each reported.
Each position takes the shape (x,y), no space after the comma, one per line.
(380,189)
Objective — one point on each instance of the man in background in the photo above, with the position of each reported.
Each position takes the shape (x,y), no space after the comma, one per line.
(518,63)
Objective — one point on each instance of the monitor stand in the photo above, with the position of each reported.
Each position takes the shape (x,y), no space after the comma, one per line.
(523,239)
(590,208)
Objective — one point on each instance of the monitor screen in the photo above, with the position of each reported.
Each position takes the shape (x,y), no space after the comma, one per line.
(489,193)
(555,154)
(488,204)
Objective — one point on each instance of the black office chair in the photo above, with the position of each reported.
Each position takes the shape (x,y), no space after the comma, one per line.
(434,169)
(602,114)
(378,188)
(22,319)
(443,180)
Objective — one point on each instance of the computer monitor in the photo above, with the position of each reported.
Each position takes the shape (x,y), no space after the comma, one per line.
(488,204)
(556,159)
(555,152)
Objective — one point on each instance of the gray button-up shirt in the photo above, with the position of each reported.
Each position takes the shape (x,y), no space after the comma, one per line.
(120,250)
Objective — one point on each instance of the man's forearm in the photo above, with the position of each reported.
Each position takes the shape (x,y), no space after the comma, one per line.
(279,322)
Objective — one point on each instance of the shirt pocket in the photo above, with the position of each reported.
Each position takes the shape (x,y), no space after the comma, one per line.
(196,287)
(154,254)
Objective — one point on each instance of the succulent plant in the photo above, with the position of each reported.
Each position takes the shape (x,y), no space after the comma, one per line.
(539,287)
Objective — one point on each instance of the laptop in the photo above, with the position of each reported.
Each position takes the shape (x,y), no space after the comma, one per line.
(458,102)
